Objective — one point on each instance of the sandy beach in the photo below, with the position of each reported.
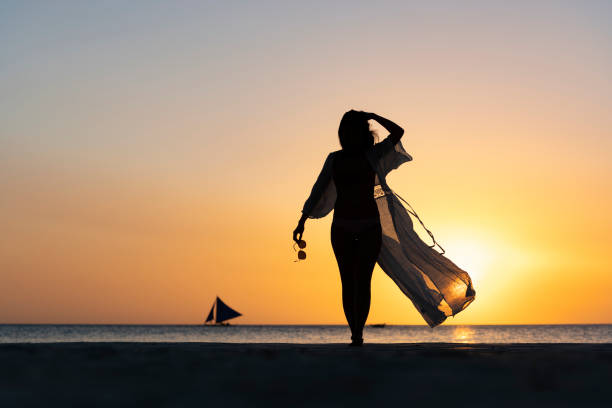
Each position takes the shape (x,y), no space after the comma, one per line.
(181,374)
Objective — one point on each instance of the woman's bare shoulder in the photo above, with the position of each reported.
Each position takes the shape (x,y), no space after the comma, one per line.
(334,154)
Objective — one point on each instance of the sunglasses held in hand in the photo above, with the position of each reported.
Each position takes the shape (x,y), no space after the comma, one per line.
(301,254)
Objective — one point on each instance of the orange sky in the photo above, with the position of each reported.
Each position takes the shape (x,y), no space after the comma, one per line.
(152,159)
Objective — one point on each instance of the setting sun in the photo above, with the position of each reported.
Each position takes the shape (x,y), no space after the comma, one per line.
(475,256)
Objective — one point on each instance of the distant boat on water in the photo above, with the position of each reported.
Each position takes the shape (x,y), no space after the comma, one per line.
(378,325)
(220,312)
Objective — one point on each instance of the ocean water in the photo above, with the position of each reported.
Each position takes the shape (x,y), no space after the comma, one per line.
(306,334)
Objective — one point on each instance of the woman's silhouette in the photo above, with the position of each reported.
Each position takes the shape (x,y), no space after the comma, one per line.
(356,230)
(371,225)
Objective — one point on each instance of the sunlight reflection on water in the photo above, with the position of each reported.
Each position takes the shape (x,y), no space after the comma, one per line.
(463,334)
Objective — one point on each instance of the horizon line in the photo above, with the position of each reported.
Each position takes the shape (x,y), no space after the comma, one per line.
(296,324)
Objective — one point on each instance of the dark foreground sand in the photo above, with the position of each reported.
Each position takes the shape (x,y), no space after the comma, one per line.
(206,374)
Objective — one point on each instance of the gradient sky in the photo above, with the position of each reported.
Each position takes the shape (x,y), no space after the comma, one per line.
(154,155)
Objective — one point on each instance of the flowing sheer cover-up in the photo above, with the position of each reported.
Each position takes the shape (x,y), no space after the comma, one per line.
(436,286)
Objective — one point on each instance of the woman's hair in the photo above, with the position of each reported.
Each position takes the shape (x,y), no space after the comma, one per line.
(354,131)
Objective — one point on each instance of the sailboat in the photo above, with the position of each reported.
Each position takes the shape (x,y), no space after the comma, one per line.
(223,313)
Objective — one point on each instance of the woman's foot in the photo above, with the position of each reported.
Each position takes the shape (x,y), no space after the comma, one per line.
(356,342)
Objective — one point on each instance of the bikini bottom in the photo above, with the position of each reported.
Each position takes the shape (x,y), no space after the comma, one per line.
(357,225)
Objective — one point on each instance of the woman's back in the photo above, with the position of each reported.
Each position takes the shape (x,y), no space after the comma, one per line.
(354,179)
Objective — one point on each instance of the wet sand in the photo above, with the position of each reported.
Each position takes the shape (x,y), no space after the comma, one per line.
(203,374)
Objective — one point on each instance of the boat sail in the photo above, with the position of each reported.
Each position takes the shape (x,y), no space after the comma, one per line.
(223,313)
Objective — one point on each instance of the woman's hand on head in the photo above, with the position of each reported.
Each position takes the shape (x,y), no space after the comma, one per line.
(367,115)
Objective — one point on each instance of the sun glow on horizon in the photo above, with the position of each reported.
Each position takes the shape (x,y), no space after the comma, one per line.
(475,256)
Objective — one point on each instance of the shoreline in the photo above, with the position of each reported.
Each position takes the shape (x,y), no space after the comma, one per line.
(283,345)
(239,374)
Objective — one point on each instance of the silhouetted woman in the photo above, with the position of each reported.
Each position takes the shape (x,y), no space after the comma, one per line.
(356,229)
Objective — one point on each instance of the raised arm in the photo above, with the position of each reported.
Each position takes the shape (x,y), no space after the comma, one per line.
(395,131)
